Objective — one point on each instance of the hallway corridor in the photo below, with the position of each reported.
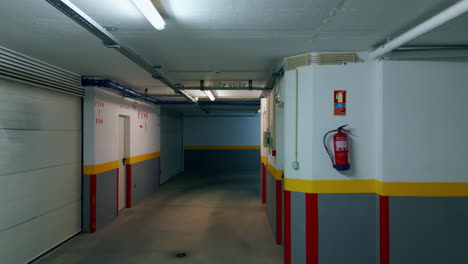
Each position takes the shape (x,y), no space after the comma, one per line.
(213,217)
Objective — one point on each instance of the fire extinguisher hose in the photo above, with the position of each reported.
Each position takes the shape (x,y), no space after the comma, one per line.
(325,145)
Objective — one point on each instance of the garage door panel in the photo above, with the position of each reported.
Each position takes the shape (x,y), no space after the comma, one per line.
(54,188)
(24,150)
(40,170)
(29,240)
(27,107)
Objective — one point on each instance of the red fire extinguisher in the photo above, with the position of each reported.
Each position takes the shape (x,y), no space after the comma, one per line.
(340,143)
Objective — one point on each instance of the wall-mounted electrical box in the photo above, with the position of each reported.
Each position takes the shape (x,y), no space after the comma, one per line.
(272,143)
(266,138)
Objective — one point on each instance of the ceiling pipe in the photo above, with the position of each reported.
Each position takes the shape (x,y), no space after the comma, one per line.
(128,92)
(218,115)
(110,41)
(443,17)
(88,81)
(428,54)
(222,88)
(165,95)
(229,103)
(271,83)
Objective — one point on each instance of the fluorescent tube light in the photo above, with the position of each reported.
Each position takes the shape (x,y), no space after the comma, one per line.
(147,8)
(188,96)
(210,95)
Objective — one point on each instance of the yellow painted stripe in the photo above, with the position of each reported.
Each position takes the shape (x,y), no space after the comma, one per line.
(454,189)
(451,189)
(277,174)
(221,147)
(328,186)
(100,168)
(264,159)
(137,159)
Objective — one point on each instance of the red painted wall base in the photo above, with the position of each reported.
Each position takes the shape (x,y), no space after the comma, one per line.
(92,203)
(287,227)
(384,218)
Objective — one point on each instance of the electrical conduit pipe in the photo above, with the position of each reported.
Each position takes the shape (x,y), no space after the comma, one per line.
(443,17)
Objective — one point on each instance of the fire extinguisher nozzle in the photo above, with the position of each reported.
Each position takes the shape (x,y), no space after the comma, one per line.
(342,127)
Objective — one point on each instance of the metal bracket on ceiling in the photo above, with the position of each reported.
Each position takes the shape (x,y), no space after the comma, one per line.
(72,11)
(111,45)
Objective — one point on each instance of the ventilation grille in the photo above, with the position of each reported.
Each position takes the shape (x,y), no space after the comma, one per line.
(299,61)
(336,58)
(21,68)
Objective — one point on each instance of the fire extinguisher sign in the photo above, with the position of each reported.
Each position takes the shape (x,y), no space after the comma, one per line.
(339,103)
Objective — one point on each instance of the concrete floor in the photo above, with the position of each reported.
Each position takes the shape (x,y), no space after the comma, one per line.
(213,217)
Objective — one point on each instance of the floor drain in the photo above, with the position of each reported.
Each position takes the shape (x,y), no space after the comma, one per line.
(181,255)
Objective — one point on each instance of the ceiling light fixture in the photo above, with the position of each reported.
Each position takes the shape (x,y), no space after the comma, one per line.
(210,95)
(147,8)
(188,96)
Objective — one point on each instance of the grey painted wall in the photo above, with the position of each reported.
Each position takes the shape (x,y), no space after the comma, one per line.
(298,227)
(145,179)
(85,209)
(271,202)
(348,228)
(428,230)
(422,229)
(222,131)
(172,144)
(106,198)
(231,159)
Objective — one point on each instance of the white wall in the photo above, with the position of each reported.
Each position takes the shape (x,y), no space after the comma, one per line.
(316,86)
(222,131)
(172,145)
(40,170)
(272,117)
(263,124)
(279,133)
(108,106)
(407,118)
(424,121)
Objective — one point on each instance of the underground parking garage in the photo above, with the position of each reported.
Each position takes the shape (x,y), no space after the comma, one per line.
(177,131)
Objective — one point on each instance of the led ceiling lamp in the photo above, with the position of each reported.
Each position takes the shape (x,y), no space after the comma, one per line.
(147,8)
(210,95)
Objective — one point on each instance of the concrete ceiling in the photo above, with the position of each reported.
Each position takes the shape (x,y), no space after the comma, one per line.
(215,40)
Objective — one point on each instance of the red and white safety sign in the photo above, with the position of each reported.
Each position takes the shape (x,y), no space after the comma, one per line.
(339,103)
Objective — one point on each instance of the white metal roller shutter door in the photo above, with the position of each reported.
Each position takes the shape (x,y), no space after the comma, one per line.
(40,170)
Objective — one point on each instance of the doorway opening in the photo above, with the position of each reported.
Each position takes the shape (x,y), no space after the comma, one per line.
(124,141)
